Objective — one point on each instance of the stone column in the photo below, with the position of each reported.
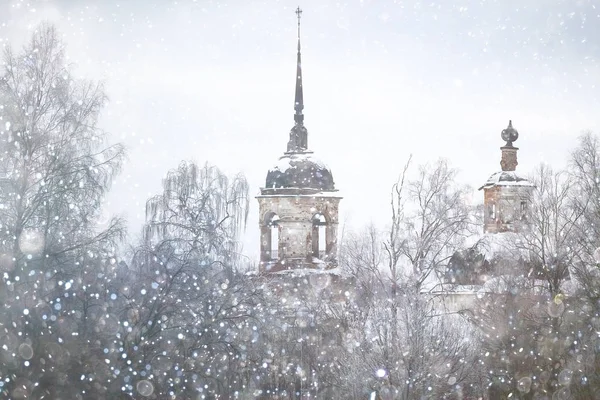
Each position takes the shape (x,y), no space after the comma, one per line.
(265,243)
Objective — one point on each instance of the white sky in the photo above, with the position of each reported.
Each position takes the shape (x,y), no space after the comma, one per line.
(214,81)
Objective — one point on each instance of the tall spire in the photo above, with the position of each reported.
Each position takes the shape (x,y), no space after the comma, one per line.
(298,135)
(299,98)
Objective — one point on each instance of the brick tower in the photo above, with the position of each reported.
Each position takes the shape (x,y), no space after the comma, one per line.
(298,207)
(506,194)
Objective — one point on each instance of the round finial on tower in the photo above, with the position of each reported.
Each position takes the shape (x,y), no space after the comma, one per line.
(509,152)
(509,134)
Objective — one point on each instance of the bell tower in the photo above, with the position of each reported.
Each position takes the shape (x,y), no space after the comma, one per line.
(298,207)
(507,195)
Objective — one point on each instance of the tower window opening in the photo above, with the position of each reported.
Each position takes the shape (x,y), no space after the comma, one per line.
(523,209)
(274,242)
(270,238)
(492,211)
(319,236)
(274,227)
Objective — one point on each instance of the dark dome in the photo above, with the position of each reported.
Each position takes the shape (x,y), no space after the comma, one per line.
(301,171)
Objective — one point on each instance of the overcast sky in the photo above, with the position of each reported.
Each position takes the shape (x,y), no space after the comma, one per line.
(214,81)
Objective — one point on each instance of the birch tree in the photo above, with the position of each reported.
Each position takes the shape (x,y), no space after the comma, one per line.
(55,169)
(408,350)
(430,220)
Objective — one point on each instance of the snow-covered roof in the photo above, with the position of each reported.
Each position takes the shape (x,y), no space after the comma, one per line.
(506,178)
(300,170)
(291,160)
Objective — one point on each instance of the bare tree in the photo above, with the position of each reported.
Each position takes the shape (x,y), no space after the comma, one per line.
(430,220)
(550,236)
(362,257)
(186,306)
(528,319)
(416,351)
(55,169)
(200,211)
(514,351)
(585,175)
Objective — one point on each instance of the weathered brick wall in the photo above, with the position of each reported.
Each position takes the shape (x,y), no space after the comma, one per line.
(296,230)
(509,158)
(508,215)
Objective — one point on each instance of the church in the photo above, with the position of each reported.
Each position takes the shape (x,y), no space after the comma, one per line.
(299,203)
(298,207)
(321,304)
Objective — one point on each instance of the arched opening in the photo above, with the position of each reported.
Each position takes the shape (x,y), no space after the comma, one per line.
(492,211)
(270,237)
(523,210)
(274,236)
(319,236)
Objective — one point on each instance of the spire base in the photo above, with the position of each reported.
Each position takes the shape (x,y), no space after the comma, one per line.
(298,142)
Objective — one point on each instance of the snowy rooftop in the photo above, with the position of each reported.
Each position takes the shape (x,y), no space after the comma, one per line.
(300,170)
(291,160)
(506,178)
